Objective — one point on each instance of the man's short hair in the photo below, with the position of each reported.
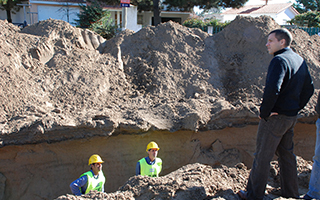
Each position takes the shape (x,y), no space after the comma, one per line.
(283,33)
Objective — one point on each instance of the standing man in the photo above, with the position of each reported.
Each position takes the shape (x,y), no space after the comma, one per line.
(314,184)
(150,165)
(91,180)
(288,89)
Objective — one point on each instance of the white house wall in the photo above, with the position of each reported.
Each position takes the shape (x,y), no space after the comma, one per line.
(147,18)
(132,19)
(281,18)
(228,18)
(58,12)
(285,16)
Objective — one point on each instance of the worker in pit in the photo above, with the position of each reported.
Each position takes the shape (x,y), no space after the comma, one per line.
(150,165)
(91,180)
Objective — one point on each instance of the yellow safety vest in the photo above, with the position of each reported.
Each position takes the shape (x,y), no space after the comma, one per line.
(150,170)
(94,183)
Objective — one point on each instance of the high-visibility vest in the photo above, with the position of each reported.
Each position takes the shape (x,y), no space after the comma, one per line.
(150,170)
(94,183)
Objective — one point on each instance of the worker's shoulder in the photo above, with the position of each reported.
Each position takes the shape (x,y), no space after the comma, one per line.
(142,159)
(287,55)
(288,59)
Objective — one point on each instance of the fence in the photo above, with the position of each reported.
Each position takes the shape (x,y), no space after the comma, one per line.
(211,29)
(311,30)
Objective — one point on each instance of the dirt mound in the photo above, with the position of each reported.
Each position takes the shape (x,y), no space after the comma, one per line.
(170,77)
(59,83)
(198,181)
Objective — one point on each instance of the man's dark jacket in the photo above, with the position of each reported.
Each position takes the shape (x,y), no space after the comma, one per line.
(288,85)
(318,106)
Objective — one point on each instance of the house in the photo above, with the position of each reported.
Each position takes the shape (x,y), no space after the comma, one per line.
(34,11)
(67,10)
(281,13)
(57,9)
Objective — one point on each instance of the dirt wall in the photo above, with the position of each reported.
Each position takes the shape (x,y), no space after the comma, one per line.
(44,171)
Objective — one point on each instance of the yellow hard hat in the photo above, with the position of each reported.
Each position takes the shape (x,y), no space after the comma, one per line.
(152,145)
(95,158)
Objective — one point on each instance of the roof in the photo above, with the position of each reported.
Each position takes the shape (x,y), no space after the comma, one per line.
(261,9)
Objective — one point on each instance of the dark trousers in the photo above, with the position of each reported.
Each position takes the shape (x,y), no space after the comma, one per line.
(275,136)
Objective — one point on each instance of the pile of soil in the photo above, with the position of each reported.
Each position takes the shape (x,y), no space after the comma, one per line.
(170,77)
(198,181)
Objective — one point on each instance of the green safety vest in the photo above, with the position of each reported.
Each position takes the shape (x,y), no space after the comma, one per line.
(150,170)
(94,183)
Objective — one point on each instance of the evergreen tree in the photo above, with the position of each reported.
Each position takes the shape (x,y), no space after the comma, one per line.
(93,17)
(90,13)
(303,6)
(203,25)
(105,27)
(311,19)
(10,6)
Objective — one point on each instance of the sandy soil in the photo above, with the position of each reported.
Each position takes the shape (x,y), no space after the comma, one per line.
(170,77)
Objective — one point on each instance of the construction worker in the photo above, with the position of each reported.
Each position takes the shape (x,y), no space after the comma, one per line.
(91,180)
(150,165)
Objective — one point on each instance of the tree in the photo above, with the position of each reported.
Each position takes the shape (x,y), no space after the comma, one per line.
(303,6)
(156,12)
(67,10)
(311,19)
(203,25)
(105,27)
(96,19)
(10,6)
(89,14)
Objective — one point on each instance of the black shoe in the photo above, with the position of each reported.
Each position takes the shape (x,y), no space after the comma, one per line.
(242,194)
(307,197)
